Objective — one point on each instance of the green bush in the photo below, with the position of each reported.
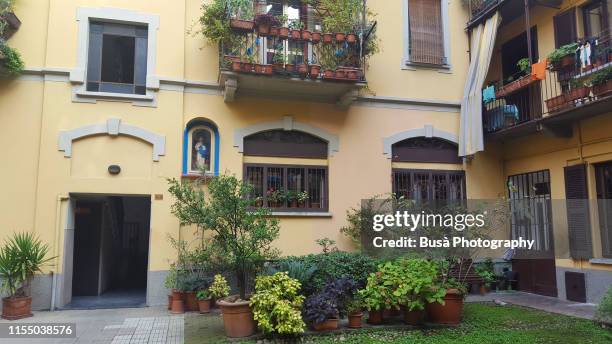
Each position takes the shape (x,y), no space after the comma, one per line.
(604,310)
(602,76)
(219,288)
(277,305)
(11,63)
(332,266)
(556,56)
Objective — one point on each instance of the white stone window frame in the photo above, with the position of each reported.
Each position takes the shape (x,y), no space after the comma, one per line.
(406,62)
(78,76)
(211,167)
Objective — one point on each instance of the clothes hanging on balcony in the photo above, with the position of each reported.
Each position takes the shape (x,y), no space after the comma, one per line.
(471,136)
(488,94)
(585,54)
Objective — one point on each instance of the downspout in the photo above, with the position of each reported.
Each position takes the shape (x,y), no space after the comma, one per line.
(58,222)
(528,31)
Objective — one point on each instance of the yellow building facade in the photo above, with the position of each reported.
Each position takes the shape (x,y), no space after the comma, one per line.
(79,149)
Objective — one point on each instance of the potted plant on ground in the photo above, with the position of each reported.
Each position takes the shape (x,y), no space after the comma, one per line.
(563,57)
(22,256)
(448,310)
(487,272)
(376,298)
(241,234)
(219,288)
(323,309)
(170,284)
(602,82)
(276,305)
(204,301)
(355,312)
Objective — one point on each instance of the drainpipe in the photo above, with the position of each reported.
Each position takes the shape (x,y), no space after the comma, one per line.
(528,31)
(58,210)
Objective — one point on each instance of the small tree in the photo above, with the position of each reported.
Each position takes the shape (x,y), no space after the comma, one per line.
(241,232)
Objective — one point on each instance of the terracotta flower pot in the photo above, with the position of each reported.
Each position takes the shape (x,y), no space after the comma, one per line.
(237,318)
(178,307)
(264,30)
(351,38)
(555,103)
(603,89)
(340,74)
(315,70)
(484,289)
(414,317)
(169,301)
(340,37)
(274,31)
(268,69)
(259,68)
(450,312)
(578,93)
(316,37)
(303,70)
(328,38)
(352,73)
(177,295)
(242,25)
(247,67)
(191,301)
(236,66)
(391,313)
(375,317)
(296,34)
(328,73)
(279,67)
(290,67)
(354,320)
(327,325)
(204,306)
(16,308)
(306,35)
(283,32)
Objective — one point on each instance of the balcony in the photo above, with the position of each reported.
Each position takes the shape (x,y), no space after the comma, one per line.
(314,51)
(510,9)
(568,90)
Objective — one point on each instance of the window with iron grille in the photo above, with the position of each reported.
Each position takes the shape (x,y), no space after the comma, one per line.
(426,32)
(289,188)
(429,185)
(117,58)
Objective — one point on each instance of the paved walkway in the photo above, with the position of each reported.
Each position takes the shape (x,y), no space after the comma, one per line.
(545,303)
(115,326)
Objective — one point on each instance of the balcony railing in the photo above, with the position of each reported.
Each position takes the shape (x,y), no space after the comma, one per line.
(289,46)
(569,86)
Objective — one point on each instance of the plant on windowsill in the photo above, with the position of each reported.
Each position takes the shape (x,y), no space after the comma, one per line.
(563,57)
(242,235)
(276,198)
(22,256)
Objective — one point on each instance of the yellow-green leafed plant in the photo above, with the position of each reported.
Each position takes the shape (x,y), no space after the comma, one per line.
(277,305)
(219,288)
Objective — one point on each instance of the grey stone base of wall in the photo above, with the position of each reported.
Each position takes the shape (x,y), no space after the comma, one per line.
(597,283)
(157,293)
(41,292)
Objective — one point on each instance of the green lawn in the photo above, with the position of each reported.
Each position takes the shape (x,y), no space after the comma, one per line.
(482,323)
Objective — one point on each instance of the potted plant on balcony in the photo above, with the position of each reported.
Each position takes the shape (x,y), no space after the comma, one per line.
(556,102)
(563,57)
(22,256)
(328,38)
(249,63)
(316,37)
(241,234)
(296,27)
(9,23)
(578,90)
(306,35)
(283,30)
(241,14)
(602,82)
(279,58)
(264,23)
(11,63)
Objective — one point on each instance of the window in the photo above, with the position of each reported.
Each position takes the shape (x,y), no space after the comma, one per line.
(289,188)
(429,185)
(284,143)
(595,19)
(603,174)
(201,150)
(117,58)
(426,32)
(423,149)
(565,28)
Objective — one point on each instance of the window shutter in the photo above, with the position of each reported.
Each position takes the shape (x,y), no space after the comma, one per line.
(565,27)
(426,36)
(578,220)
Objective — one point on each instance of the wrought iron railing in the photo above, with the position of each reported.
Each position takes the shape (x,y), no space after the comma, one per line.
(572,82)
(289,41)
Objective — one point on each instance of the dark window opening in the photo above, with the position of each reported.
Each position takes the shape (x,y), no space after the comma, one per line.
(289,188)
(595,17)
(429,185)
(565,28)
(516,49)
(117,58)
(283,143)
(423,149)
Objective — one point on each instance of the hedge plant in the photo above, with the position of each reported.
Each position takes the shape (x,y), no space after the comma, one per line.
(556,56)
(276,305)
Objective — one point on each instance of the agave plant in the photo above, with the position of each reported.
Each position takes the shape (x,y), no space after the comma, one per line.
(22,256)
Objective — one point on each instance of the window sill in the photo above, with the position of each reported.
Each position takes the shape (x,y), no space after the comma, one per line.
(115,96)
(443,68)
(301,214)
(602,261)
(195,176)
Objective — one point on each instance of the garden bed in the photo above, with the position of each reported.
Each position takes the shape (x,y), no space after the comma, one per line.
(483,323)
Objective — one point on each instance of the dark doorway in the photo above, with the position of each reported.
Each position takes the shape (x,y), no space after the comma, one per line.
(531,211)
(111,250)
(516,49)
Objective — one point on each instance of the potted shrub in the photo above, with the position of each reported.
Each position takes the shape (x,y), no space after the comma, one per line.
(241,234)
(193,281)
(295,28)
(323,309)
(578,90)
(283,30)
(302,197)
(563,57)
(204,301)
(448,310)
(241,14)
(487,272)
(264,23)
(355,312)
(11,63)
(219,288)
(374,297)
(602,82)
(22,256)
(9,23)
(170,284)
(277,305)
